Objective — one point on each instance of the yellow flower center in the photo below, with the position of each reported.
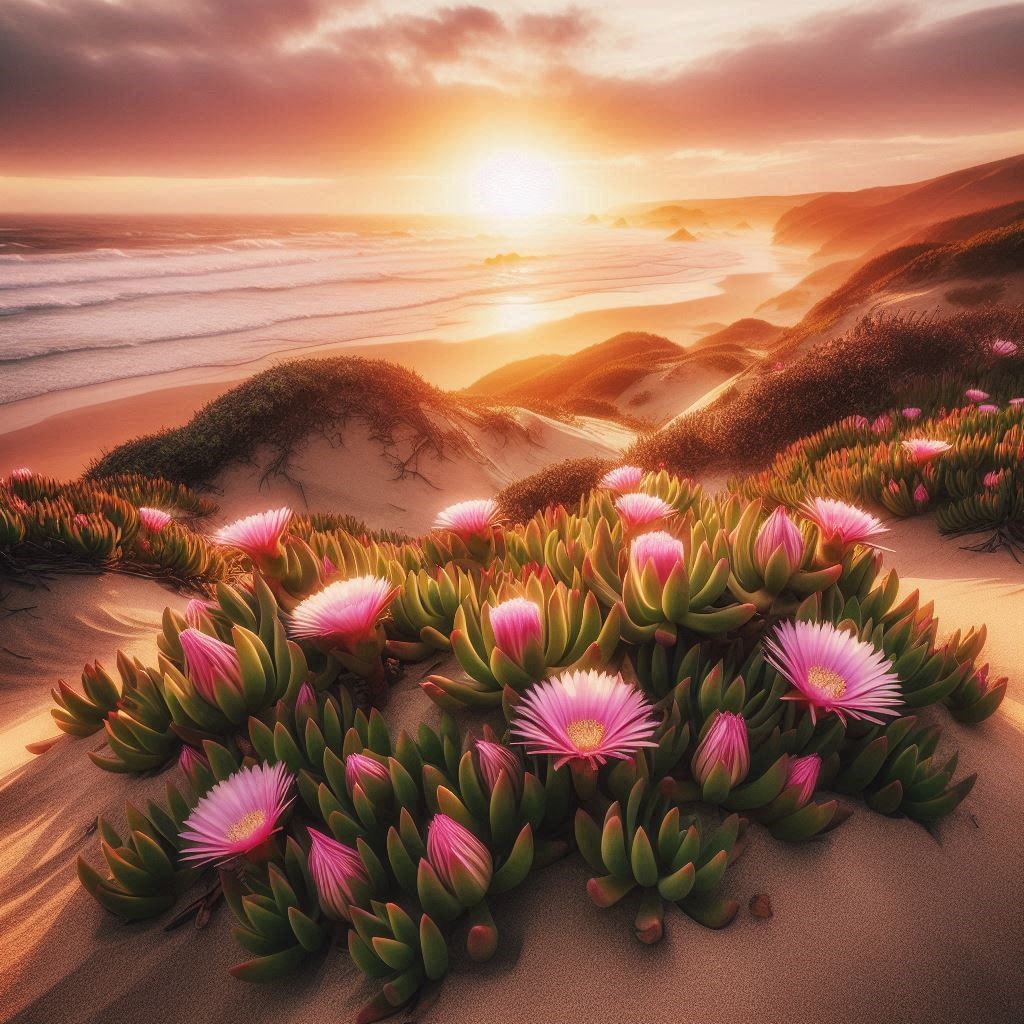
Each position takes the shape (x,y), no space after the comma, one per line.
(586,734)
(830,683)
(246,826)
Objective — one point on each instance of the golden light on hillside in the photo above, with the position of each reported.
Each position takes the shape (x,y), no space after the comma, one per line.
(515,183)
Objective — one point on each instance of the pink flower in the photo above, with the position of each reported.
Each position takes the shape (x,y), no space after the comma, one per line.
(237,816)
(516,625)
(258,535)
(658,549)
(190,759)
(725,743)
(21,473)
(987,410)
(993,478)
(1015,402)
(467,519)
(305,700)
(777,532)
(638,510)
(832,671)
(495,758)
(921,496)
(585,717)
(923,449)
(845,523)
(1003,347)
(911,413)
(803,773)
(196,609)
(154,519)
(461,861)
(81,519)
(894,488)
(976,395)
(860,422)
(623,479)
(882,424)
(344,614)
(339,874)
(367,773)
(209,662)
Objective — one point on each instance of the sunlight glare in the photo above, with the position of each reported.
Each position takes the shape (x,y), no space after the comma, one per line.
(514,183)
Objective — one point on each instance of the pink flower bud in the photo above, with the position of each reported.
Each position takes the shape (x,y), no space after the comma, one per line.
(367,773)
(338,874)
(725,743)
(516,625)
(495,759)
(461,861)
(803,773)
(209,661)
(658,549)
(779,531)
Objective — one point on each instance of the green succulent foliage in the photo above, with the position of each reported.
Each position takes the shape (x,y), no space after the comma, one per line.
(82,714)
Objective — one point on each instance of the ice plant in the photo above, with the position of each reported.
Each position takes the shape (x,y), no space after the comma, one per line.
(154,519)
(260,536)
(622,479)
(461,861)
(779,533)
(345,614)
(587,717)
(367,773)
(196,609)
(209,662)
(238,817)
(988,408)
(305,700)
(1003,347)
(638,510)
(338,874)
(21,473)
(921,496)
(832,671)
(923,449)
(190,759)
(911,413)
(803,773)
(976,394)
(725,748)
(495,758)
(466,519)
(882,424)
(517,626)
(860,422)
(841,525)
(1015,402)
(660,550)
(993,478)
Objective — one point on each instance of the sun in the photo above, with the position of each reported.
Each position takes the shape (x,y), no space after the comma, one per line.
(514,183)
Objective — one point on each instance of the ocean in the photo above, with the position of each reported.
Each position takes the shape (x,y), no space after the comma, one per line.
(88,300)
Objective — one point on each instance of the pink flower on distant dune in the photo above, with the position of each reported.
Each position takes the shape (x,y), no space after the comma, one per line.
(976,394)
(258,535)
(238,816)
(209,661)
(154,519)
(585,717)
(466,519)
(923,449)
(832,671)
(21,473)
(622,479)
(516,624)
(638,510)
(987,409)
(345,613)
(1003,347)
(658,549)
(846,523)
(911,413)
(338,874)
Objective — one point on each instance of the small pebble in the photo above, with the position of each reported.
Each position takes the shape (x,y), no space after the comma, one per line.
(761,906)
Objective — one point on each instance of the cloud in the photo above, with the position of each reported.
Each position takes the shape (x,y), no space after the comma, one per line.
(319,87)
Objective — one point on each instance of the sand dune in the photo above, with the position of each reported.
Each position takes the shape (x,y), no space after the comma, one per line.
(880,920)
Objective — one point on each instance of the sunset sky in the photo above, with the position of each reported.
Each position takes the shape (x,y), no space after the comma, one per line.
(406,106)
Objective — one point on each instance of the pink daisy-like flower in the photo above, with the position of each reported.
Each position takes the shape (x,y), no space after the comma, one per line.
(338,872)
(1003,347)
(584,716)
(366,772)
(475,518)
(461,861)
(258,535)
(516,623)
(495,758)
(924,449)
(725,743)
(976,394)
(345,613)
(911,413)
(622,479)
(832,671)
(658,549)
(209,661)
(637,509)
(779,531)
(1016,402)
(987,409)
(237,816)
(21,473)
(993,478)
(845,523)
(803,773)
(154,519)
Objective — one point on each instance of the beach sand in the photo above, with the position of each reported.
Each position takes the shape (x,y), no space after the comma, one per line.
(880,920)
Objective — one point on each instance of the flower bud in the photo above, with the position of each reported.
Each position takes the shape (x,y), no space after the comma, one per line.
(461,861)
(725,743)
